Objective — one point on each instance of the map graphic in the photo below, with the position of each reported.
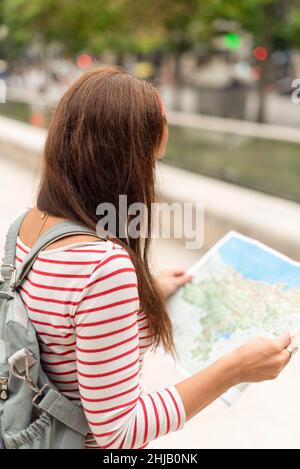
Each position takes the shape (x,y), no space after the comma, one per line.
(240,290)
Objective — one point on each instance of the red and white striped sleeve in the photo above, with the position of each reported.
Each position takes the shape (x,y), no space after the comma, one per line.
(110,329)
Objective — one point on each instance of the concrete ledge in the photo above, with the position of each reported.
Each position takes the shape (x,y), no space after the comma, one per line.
(271,220)
(22,142)
(235,126)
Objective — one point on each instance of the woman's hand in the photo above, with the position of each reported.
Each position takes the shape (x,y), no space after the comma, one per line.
(170,280)
(258,360)
(263,359)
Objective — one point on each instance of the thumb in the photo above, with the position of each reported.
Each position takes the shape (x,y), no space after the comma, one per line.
(284,340)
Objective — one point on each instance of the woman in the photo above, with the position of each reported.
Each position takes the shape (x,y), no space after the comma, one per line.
(94,304)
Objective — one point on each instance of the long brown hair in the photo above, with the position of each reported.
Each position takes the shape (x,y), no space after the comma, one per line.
(101,143)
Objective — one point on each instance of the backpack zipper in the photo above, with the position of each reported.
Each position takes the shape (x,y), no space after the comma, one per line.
(3,388)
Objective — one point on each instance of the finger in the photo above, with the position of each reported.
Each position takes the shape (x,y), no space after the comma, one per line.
(177,272)
(290,350)
(183,279)
(286,356)
(284,340)
(294,345)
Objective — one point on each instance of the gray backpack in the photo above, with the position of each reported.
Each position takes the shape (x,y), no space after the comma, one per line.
(33,414)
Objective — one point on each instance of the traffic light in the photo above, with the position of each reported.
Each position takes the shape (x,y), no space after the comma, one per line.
(260,53)
(84,61)
(232,41)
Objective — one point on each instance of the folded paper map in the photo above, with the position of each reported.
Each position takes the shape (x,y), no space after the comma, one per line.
(240,290)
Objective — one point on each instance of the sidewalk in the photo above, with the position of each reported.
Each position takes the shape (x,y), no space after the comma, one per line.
(17,186)
(267,416)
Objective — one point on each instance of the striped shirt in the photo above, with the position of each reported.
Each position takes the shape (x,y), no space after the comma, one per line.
(83,302)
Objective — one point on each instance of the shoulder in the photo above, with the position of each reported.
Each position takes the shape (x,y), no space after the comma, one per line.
(112,286)
(115,251)
(115,262)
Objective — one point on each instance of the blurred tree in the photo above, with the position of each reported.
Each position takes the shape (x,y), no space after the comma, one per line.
(128,25)
(2,53)
(144,26)
(170,22)
(73,22)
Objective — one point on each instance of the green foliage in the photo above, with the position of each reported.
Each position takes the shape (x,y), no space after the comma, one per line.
(71,22)
(283,26)
(143,25)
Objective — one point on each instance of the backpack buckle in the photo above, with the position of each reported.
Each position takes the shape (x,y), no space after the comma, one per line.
(8,272)
(20,363)
(40,394)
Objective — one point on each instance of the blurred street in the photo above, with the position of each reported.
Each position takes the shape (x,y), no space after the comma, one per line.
(266,416)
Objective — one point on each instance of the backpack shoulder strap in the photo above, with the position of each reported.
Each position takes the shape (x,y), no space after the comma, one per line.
(53,234)
(8,266)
